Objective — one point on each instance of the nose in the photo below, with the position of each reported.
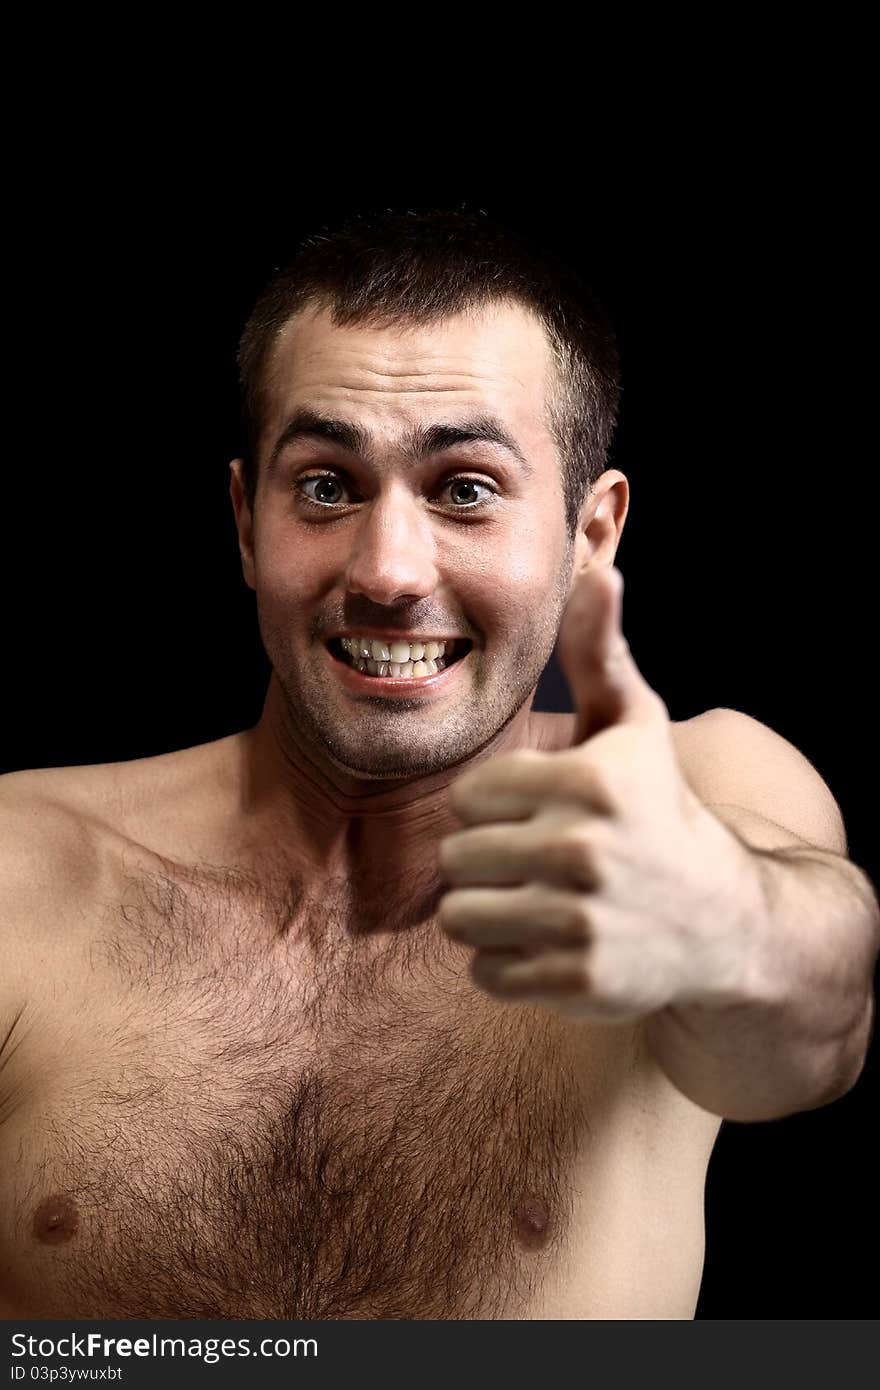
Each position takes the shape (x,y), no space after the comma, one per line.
(392,555)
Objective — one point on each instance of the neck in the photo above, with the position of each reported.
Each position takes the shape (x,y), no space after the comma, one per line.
(336,822)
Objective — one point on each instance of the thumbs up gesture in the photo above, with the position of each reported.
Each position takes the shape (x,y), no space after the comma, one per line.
(593,880)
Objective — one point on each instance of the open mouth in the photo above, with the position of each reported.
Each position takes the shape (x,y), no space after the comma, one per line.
(416,661)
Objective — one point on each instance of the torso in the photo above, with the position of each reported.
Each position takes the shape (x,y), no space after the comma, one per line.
(222,1101)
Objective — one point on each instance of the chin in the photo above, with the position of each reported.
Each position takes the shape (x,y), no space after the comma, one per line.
(389,764)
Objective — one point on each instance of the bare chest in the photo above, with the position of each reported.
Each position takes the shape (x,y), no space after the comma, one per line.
(256,1114)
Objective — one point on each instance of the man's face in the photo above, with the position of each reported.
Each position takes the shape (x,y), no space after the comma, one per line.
(467,540)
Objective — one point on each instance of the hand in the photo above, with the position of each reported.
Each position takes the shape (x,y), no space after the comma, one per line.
(593,880)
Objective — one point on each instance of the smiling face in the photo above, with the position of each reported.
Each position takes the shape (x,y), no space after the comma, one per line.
(408,484)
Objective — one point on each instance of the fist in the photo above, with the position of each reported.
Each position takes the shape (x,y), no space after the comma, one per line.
(589,879)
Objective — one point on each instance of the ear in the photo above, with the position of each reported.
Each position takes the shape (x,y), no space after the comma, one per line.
(243,521)
(601,522)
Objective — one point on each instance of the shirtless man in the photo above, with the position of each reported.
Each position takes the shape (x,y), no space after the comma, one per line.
(411,1002)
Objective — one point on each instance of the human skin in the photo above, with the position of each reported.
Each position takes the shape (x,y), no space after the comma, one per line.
(356,787)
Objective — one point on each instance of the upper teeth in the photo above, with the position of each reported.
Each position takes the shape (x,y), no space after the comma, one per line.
(369,649)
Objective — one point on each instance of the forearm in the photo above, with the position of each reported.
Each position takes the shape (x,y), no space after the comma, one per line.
(797,1038)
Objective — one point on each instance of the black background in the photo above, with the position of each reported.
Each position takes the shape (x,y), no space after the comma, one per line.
(747,552)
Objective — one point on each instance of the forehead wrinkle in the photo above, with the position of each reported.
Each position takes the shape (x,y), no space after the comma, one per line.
(416,443)
(354,389)
(463,363)
(400,379)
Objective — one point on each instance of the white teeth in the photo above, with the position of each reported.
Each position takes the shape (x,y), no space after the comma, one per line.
(398,659)
(372,649)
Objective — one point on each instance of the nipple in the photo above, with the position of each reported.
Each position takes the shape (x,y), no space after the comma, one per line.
(531,1221)
(56,1220)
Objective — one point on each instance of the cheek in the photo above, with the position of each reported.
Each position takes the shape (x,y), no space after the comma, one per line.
(514,601)
(291,574)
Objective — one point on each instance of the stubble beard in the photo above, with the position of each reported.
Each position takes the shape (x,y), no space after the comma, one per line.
(386,738)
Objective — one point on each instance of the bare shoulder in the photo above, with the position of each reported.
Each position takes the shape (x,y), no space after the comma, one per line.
(758,782)
(45,838)
(65,838)
(48,852)
(48,865)
(63,831)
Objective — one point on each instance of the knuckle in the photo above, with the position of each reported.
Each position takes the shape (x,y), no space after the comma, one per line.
(578,922)
(604,786)
(462,794)
(619,653)
(454,857)
(582,781)
(450,911)
(589,783)
(446,855)
(572,856)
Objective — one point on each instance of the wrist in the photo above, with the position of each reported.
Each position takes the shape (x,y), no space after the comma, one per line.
(731,966)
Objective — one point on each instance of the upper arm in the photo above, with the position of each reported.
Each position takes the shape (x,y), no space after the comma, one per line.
(758,783)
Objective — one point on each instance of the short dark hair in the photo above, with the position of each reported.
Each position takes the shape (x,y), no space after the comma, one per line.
(422,267)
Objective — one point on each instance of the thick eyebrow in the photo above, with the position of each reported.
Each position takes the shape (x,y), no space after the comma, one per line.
(418,444)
